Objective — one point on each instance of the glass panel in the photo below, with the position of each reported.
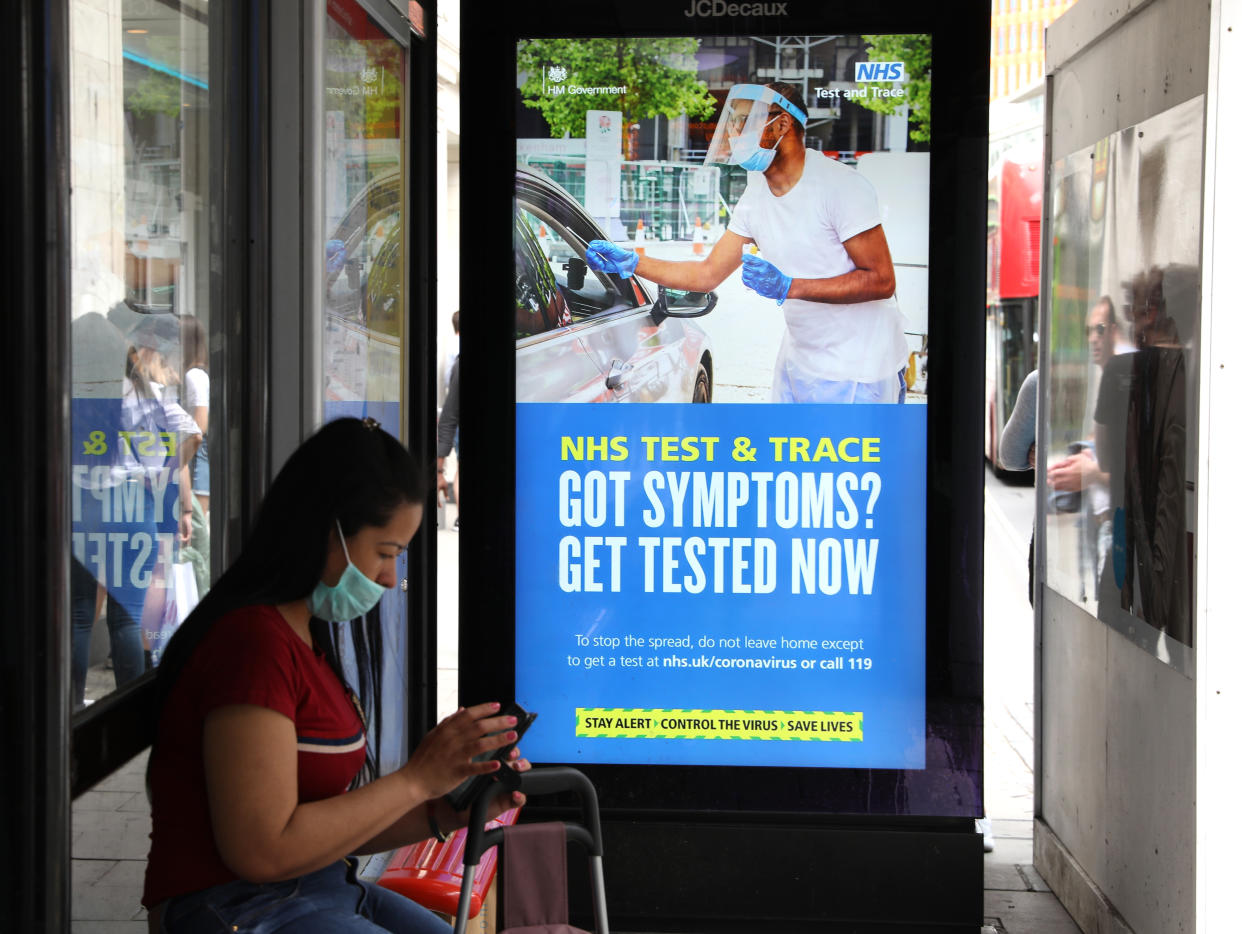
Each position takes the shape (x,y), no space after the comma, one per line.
(140,317)
(365,271)
(1122,413)
(364,190)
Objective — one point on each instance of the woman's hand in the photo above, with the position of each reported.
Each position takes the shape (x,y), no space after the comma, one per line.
(444,759)
(505,802)
(498,805)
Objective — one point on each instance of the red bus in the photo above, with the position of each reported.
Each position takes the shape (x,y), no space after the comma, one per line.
(1015,204)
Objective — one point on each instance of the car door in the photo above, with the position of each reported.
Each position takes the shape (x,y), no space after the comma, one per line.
(552,365)
(634,356)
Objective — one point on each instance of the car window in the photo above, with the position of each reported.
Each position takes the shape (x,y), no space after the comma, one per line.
(362,260)
(538,304)
(561,247)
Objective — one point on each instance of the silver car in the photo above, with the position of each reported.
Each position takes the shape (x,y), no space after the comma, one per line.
(584,336)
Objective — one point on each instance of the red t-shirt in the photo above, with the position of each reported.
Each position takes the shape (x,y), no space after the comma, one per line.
(250,656)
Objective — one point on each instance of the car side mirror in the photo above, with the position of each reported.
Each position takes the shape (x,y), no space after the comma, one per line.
(575,273)
(675,303)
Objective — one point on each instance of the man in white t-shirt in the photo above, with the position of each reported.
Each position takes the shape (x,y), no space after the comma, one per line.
(825,259)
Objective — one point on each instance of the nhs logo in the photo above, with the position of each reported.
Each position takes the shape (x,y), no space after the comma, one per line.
(879,71)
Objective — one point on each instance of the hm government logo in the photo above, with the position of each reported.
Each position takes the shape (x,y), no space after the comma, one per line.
(555,84)
(706,8)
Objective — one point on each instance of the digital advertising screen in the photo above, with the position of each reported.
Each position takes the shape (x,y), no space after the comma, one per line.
(721,333)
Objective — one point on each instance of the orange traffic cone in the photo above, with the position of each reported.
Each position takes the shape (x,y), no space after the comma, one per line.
(700,236)
(640,236)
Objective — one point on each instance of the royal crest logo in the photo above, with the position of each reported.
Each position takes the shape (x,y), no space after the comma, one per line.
(369,75)
(557,74)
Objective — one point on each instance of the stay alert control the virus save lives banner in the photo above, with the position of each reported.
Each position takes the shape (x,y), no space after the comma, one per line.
(722,584)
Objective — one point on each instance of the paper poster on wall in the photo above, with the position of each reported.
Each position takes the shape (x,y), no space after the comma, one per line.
(730,568)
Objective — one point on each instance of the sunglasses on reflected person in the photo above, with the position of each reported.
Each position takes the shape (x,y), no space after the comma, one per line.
(1099,330)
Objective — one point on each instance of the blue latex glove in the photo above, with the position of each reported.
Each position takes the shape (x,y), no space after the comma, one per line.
(764,278)
(606,256)
(334,256)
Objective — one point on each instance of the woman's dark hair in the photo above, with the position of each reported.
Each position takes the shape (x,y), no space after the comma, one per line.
(193,343)
(350,471)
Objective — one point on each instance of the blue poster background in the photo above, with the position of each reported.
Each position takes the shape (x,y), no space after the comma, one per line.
(124,507)
(882,622)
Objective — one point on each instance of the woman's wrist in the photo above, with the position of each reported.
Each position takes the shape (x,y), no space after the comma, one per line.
(438,832)
(442,818)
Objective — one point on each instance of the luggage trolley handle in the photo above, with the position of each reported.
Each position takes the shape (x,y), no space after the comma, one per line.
(535,782)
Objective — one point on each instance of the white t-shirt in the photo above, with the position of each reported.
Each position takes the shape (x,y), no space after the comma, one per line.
(802,233)
(197,389)
(150,416)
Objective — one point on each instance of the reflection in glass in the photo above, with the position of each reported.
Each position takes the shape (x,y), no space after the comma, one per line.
(1121,407)
(364,188)
(363,324)
(139,316)
(139,490)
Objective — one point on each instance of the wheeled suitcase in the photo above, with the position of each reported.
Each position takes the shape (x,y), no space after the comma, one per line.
(534,876)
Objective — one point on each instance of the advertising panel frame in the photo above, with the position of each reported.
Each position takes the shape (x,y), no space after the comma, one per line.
(677,809)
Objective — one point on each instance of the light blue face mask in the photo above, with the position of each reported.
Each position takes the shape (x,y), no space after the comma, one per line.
(758,159)
(350,597)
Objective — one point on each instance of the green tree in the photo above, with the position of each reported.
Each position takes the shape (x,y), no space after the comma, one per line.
(915,51)
(154,93)
(660,76)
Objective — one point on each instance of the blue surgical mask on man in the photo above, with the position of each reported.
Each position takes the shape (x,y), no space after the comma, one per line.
(352,596)
(750,154)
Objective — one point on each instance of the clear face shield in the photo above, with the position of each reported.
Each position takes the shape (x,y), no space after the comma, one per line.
(747,112)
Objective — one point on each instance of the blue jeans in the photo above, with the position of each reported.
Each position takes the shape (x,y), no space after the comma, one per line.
(328,900)
(124,633)
(200,471)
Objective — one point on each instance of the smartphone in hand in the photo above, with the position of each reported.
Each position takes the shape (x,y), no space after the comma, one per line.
(462,797)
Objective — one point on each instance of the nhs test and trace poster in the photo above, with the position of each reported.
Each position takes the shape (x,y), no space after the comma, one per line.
(720,548)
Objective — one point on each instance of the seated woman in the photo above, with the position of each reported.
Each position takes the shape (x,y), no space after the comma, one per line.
(263,788)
